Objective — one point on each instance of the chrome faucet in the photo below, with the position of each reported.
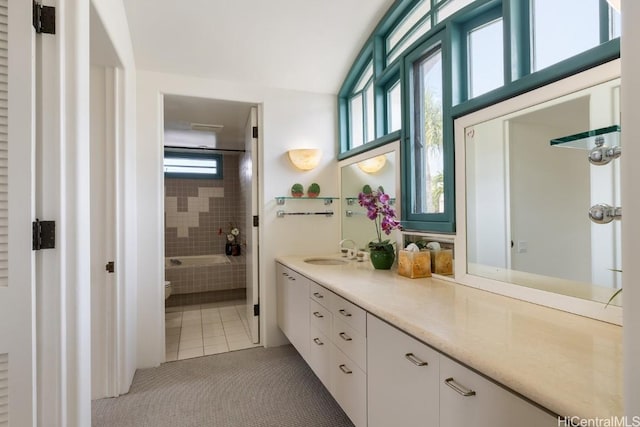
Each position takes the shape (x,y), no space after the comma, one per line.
(349,253)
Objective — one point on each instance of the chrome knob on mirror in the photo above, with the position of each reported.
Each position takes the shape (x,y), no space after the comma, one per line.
(601,154)
(604,214)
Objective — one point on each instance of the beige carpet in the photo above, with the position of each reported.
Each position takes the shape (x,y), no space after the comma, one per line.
(254,388)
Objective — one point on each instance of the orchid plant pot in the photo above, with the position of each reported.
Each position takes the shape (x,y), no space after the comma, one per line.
(382,257)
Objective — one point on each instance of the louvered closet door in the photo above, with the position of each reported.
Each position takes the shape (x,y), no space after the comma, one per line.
(17,359)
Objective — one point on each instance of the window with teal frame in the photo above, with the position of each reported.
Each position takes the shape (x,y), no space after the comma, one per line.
(489,51)
(482,43)
(393,103)
(192,163)
(362,110)
(428,149)
(410,28)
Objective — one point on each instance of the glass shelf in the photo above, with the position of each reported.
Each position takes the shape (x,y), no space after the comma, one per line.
(283,199)
(587,140)
(354,200)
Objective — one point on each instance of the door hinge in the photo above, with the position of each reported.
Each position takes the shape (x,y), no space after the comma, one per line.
(110,267)
(256,309)
(43,235)
(44,18)
(255,131)
(256,220)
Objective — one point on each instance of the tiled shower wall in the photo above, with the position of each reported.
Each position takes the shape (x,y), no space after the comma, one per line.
(195,209)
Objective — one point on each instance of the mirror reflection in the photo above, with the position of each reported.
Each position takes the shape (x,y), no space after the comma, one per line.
(374,171)
(528,200)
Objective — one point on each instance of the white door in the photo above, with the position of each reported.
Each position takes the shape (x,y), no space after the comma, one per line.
(104,358)
(17,286)
(251,203)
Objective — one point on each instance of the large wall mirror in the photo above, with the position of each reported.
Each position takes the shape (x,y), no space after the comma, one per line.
(376,168)
(529,185)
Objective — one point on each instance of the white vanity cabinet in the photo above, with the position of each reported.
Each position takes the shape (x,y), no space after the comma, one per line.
(467,398)
(403,378)
(293,307)
(383,377)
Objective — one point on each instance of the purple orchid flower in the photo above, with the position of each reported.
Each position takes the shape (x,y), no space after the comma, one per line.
(379,210)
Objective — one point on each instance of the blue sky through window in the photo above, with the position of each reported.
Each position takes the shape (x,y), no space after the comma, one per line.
(563,28)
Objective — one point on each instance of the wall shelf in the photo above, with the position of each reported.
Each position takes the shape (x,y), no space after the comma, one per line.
(587,140)
(354,200)
(281,200)
(282,214)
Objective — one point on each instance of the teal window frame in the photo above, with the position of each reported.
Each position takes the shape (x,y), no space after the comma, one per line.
(386,120)
(438,222)
(194,154)
(465,29)
(518,79)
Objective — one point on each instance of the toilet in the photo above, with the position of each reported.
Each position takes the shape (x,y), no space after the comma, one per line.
(167,289)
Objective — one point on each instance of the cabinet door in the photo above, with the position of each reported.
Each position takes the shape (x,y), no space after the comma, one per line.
(349,387)
(467,398)
(403,380)
(293,307)
(282,273)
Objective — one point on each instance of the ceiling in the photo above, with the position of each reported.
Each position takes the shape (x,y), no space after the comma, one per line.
(181,111)
(304,45)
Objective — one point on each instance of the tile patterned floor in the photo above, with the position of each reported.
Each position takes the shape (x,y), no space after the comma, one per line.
(201,330)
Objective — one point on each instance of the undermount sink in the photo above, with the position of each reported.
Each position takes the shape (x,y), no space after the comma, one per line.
(326,261)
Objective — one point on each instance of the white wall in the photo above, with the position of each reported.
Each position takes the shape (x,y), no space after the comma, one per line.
(630,195)
(549,194)
(113,18)
(487,194)
(288,119)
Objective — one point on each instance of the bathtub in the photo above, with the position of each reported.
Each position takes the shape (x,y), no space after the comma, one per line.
(205,278)
(195,261)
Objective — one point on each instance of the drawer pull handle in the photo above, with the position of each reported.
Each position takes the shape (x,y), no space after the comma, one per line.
(344,313)
(285,274)
(318,315)
(318,295)
(292,278)
(346,370)
(458,388)
(345,336)
(413,359)
(317,341)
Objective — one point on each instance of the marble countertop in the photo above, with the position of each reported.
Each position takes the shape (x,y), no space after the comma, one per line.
(569,364)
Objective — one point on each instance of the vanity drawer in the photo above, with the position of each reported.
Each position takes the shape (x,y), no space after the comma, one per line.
(349,387)
(319,317)
(320,356)
(350,313)
(320,295)
(467,398)
(351,342)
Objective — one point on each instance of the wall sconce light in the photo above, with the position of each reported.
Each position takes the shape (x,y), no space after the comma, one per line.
(373,164)
(305,158)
